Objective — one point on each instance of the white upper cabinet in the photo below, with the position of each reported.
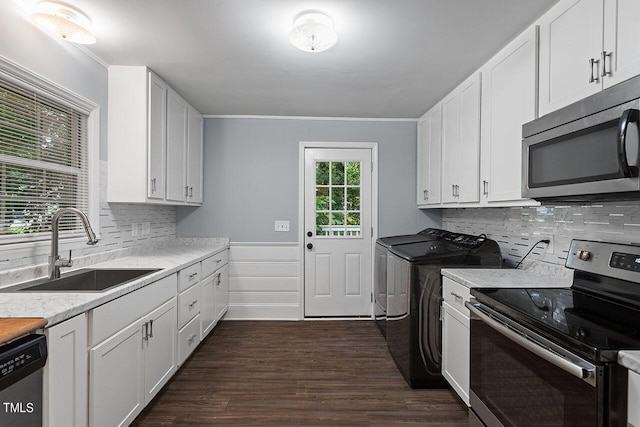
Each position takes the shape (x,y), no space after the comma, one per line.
(585,46)
(149,141)
(194,156)
(157,137)
(508,101)
(461,142)
(429,156)
(621,40)
(176,147)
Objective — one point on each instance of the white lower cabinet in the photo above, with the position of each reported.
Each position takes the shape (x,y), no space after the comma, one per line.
(455,337)
(66,374)
(222,292)
(129,364)
(188,339)
(208,313)
(633,418)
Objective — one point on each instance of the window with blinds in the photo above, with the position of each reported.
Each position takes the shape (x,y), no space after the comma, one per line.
(43,164)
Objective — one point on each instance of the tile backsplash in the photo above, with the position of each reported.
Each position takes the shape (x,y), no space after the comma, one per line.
(115,232)
(517,229)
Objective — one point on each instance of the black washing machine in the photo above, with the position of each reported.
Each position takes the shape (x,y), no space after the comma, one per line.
(380,264)
(414,297)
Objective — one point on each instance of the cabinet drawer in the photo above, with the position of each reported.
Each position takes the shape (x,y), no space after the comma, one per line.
(188,276)
(455,294)
(188,339)
(214,262)
(115,315)
(188,305)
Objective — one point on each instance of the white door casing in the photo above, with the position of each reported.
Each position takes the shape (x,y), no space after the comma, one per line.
(338,215)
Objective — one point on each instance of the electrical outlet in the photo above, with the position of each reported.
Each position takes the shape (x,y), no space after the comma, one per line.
(146,228)
(282,226)
(135,229)
(549,248)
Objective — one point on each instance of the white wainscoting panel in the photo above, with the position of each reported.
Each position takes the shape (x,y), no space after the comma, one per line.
(264,281)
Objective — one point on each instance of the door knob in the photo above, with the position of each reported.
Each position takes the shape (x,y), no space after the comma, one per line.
(309,233)
(309,246)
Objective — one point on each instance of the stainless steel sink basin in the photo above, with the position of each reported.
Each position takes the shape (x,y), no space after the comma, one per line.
(86,280)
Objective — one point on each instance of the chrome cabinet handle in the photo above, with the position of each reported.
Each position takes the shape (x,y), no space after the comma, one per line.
(577,367)
(186,191)
(192,304)
(191,338)
(190,191)
(153,185)
(151,328)
(218,282)
(425,194)
(485,188)
(604,57)
(453,190)
(594,78)
(456,296)
(146,332)
(191,276)
(218,261)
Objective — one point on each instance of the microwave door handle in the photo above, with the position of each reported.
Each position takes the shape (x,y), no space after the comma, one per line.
(628,116)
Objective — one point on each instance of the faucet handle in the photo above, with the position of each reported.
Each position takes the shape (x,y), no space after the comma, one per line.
(60,262)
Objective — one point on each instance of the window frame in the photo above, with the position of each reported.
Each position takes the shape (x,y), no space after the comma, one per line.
(28,245)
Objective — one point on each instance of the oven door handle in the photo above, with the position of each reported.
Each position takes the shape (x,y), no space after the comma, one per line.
(587,374)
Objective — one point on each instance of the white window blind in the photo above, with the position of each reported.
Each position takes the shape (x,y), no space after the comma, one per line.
(43,164)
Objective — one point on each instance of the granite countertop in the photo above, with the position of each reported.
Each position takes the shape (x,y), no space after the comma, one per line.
(56,307)
(503,278)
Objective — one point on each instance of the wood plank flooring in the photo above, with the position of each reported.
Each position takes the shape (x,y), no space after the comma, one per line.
(311,373)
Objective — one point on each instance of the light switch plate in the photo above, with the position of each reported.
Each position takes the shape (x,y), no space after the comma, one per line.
(282,226)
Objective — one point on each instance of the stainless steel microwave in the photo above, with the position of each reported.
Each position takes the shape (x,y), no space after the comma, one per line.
(588,150)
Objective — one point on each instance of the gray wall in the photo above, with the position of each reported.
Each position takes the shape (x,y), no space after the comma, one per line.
(251,176)
(59,61)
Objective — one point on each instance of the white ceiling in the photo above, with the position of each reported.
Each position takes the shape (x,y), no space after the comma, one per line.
(393,59)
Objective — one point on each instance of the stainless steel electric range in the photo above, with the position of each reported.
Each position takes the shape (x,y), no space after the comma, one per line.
(548,357)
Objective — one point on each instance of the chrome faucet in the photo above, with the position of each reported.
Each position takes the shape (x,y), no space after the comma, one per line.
(55,262)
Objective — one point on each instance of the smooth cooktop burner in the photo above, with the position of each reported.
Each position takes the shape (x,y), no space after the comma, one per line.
(593,326)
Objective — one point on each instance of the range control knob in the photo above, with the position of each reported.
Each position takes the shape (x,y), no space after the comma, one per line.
(584,255)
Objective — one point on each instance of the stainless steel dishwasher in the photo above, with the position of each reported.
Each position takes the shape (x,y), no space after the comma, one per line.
(21,363)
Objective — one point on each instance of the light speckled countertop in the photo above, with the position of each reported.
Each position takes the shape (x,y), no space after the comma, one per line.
(503,278)
(493,278)
(59,306)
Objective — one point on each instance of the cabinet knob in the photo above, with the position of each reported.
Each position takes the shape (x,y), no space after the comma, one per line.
(309,245)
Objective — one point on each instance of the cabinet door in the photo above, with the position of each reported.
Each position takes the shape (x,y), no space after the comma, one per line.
(176,147)
(570,36)
(423,161)
(621,40)
(194,157)
(455,350)
(508,101)
(468,177)
(208,313)
(159,348)
(116,395)
(222,292)
(66,374)
(157,137)
(633,399)
(450,146)
(429,156)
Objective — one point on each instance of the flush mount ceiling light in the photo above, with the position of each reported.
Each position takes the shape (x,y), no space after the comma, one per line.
(64,21)
(313,31)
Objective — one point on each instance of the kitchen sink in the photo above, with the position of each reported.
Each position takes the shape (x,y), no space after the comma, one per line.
(85,280)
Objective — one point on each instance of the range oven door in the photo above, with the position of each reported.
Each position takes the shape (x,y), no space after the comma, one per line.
(517,381)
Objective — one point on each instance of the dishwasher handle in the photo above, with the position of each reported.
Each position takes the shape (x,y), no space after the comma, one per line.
(586,373)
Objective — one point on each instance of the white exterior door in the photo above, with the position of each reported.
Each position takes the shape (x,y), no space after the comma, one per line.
(338,232)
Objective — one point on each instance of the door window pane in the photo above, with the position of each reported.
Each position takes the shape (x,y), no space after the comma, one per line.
(338,199)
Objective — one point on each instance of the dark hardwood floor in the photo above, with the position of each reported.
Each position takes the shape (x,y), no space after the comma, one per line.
(250,373)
